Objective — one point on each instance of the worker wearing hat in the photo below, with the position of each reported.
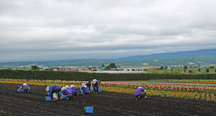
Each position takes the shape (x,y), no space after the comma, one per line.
(53,91)
(66,92)
(95,85)
(85,88)
(25,87)
(138,94)
(74,89)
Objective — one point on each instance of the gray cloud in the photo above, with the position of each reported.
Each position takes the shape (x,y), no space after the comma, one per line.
(65,29)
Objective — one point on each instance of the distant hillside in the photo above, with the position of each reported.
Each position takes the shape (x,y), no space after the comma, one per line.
(196,53)
(200,57)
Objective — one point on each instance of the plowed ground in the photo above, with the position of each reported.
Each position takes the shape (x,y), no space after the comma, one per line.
(105,104)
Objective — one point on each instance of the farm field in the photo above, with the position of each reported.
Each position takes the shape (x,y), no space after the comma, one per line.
(105,104)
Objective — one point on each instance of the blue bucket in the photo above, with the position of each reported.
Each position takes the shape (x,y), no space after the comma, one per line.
(64,97)
(48,98)
(60,93)
(81,91)
(19,90)
(89,109)
(48,93)
(145,97)
(99,89)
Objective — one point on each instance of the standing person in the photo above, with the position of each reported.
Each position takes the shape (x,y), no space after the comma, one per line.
(25,87)
(95,85)
(74,90)
(88,84)
(85,88)
(139,93)
(66,92)
(54,91)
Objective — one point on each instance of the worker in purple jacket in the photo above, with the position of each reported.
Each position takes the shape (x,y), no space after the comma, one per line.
(66,92)
(95,85)
(139,93)
(68,88)
(74,89)
(85,88)
(25,87)
(88,84)
(54,91)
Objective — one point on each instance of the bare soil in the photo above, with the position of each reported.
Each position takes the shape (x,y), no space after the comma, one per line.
(105,104)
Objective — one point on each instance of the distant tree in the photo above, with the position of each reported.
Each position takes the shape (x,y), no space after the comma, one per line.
(185,67)
(171,69)
(166,67)
(161,67)
(90,68)
(199,69)
(102,65)
(34,67)
(111,65)
(207,70)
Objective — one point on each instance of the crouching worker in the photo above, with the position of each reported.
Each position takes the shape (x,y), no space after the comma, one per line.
(66,94)
(139,93)
(25,88)
(54,91)
(95,85)
(74,89)
(85,89)
(88,84)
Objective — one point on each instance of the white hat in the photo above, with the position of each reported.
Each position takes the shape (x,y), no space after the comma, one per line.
(140,87)
(66,86)
(24,84)
(83,84)
(63,88)
(94,80)
(72,86)
(47,88)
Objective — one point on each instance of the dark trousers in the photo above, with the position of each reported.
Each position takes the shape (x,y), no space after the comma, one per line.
(89,86)
(95,88)
(70,98)
(25,90)
(141,95)
(74,93)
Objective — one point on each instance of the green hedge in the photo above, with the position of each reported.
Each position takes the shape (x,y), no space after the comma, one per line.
(81,76)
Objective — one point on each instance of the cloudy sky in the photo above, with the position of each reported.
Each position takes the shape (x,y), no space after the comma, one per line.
(83,29)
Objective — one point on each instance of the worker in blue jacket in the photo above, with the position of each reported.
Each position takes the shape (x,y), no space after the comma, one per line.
(54,91)
(138,94)
(25,87)
(66,92)
(95,85)
(74,89)
(88,84)
(85,89)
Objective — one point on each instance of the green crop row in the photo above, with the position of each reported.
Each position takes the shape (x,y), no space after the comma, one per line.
(82,76)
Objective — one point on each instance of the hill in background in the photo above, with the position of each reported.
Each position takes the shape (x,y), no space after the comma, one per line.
(200,57)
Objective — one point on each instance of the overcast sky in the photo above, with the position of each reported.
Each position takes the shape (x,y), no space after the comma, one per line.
(83,29)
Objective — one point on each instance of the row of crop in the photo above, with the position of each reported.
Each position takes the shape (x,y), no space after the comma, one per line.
(199,89)
(195,88)
(81,76)
(171,94)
